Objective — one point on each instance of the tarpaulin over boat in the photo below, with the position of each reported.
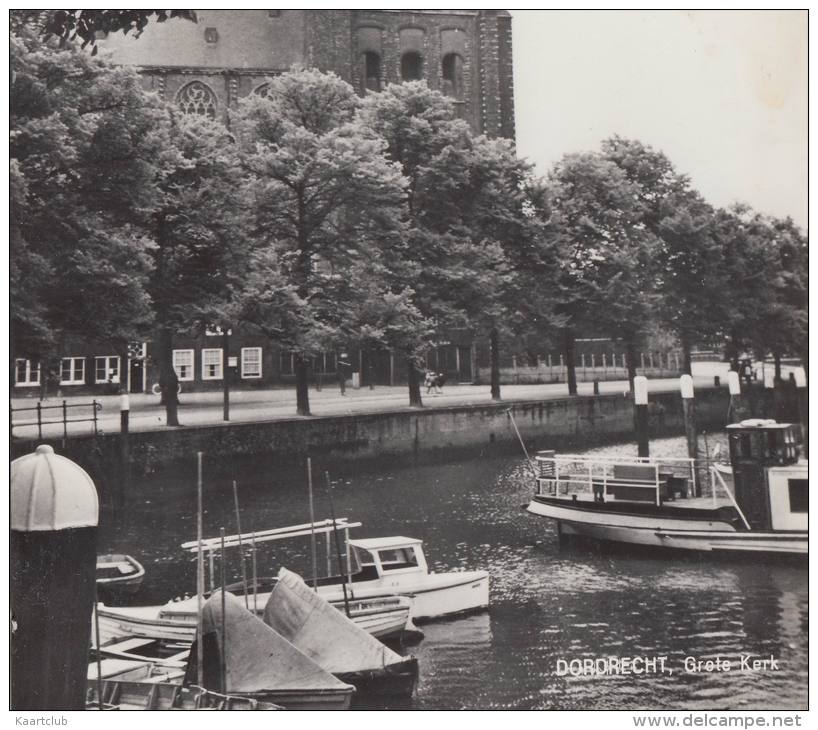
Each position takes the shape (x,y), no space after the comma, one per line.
(256,658)
(321,631)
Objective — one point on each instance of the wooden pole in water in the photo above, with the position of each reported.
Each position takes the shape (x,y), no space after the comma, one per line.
(337,544)
(255,576)
(199,576)
(223,652)
(691,431)
(640,401)
(312,527)
(99,654)
(803,406)
(241,548)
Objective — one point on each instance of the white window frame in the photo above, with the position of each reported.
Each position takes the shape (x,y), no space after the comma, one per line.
(31,367)
(205,364)
(74,380)
(244,373)
(191,367)
(107,378)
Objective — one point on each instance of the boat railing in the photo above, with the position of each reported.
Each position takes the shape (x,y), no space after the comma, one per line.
(568,473)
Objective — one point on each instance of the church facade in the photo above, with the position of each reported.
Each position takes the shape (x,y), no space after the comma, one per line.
(208,65)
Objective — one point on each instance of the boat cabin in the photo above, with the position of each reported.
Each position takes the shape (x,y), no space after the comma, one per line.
(770,483)
(381,557)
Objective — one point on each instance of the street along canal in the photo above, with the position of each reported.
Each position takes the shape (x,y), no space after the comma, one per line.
(548,603)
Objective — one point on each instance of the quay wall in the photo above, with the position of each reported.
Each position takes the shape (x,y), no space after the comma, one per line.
(429,434)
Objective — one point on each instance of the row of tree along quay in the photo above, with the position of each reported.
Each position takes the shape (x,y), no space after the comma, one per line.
(325,219)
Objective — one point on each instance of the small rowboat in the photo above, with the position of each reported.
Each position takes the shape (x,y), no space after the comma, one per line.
(119,573)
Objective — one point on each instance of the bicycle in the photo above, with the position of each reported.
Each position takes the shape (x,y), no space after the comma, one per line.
(156,389)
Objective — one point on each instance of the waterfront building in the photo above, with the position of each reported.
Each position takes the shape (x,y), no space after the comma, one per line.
(205,68)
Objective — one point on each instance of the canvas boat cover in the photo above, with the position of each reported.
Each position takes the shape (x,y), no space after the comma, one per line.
(321,631)
(257,659)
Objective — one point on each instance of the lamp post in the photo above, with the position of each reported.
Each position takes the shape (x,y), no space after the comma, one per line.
(640,400)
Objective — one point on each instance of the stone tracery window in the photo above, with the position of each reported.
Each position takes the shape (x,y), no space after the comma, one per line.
(197,98)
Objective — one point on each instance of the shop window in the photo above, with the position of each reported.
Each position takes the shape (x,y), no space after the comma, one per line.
(72,371)
(106,369)
(183,364)
(26,373)
(411,66)
(250,362)
(212,364)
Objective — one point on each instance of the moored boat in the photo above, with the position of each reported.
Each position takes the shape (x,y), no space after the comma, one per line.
(377,568)
(334,642)
(386,617)
(645,502)
(242,656)
(120,573)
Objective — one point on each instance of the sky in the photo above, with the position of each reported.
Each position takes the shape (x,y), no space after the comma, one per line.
(722,94)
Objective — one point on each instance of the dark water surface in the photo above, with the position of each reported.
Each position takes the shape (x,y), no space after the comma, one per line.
(547,602)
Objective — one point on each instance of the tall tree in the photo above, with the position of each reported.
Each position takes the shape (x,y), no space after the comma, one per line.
(597,224)
(83,148)
(686,253)
(322,195)
(198,244)
(467,206)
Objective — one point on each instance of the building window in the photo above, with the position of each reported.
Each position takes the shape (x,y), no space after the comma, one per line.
(26,373)
(72,371)
(372,71)
(324,363)
(183,364)
(799,495)
(251,362)
(452,73)
(106,369)
(212,364)
(411,66)
(287,367)
(211,36)
(197,98)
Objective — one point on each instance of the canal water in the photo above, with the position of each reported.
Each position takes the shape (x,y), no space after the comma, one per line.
(548,603)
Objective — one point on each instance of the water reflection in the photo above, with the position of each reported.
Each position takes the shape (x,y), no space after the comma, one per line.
(548,603)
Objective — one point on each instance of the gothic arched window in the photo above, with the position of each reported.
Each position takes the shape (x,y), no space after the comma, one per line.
(372,71)
(197,98)
(452,73)
(411,66)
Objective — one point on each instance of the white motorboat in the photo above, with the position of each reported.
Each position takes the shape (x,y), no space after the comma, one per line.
(398,565)
(378,568)
(634,500)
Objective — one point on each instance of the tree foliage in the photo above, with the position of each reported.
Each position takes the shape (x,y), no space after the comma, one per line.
(324,202)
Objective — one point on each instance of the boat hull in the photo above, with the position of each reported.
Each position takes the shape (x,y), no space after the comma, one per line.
(667,531)
(436,595)
(387,620)
(128,582)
